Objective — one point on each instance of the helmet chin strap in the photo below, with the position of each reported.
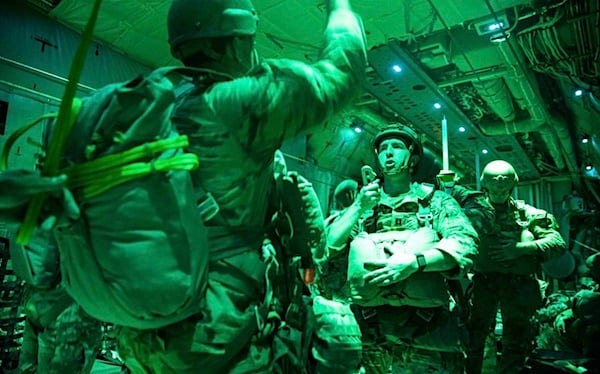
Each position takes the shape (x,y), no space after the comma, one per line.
(255,61)
(405,165)
(400,169)
(254,58)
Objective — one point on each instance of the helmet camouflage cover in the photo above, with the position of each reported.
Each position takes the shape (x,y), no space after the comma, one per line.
(406,135)
(403,132)
(190,20)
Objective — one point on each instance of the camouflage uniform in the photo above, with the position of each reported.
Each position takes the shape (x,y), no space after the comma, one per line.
(419,331)
(511,284)
(59,336)
(474,204)
(234,127)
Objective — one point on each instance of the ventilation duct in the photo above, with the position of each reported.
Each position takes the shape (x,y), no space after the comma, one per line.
(495,93)
(553,131)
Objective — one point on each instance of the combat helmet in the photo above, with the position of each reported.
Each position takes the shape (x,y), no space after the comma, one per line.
(191,20)
(499,175)
(344,192)
(410,139)
(399,131)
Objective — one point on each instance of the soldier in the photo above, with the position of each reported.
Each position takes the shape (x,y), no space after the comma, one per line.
(512,247)
(398,270)
(327,327)
(236,115)
(345,193)
(59,337)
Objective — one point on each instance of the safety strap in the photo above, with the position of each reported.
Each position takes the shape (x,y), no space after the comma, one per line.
(64,124)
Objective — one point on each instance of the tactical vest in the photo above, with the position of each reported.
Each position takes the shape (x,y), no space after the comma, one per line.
(407,226)
(411,213)
(510,223)
(513,223)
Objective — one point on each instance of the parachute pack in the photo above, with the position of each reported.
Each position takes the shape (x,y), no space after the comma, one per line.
(138,254)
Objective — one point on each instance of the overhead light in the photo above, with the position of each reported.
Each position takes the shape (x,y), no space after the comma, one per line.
(578,92)
(397,68)
(490,25)
(437,105)
(495,26)
(585,139)
(357,126)
(462,129)
(588,166)
(484,151)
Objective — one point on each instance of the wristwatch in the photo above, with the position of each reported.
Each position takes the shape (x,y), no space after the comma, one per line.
(421,261)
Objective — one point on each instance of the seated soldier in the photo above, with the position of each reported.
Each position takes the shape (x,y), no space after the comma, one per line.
(580,324)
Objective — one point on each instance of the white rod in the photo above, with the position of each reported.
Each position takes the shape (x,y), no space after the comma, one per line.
(477,171)
(445,160)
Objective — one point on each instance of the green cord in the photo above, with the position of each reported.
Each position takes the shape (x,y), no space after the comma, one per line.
(64,124)
(125,157)
(16,135)
(134,171)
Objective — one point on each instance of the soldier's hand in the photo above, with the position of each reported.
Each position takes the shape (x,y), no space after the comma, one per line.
(18,186)
(368,196)
(561,321)
(393,270)
(60,207)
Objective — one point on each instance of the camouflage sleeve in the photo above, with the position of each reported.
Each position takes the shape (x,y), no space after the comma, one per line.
(480,213)
(458,237)
(548,241)
(347,228)
(475,206)
(281,97)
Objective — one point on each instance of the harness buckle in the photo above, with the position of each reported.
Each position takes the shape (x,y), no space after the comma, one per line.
(425,219)
(368,313)
(425,314)
(208,208)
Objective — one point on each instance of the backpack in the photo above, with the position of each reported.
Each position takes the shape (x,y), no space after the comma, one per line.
(301,225)
(297,228)
(138,254)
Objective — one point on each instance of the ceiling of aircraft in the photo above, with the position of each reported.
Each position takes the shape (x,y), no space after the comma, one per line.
(516,80)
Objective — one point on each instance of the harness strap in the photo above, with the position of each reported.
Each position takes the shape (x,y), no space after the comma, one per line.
(424,216)
(231,241)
